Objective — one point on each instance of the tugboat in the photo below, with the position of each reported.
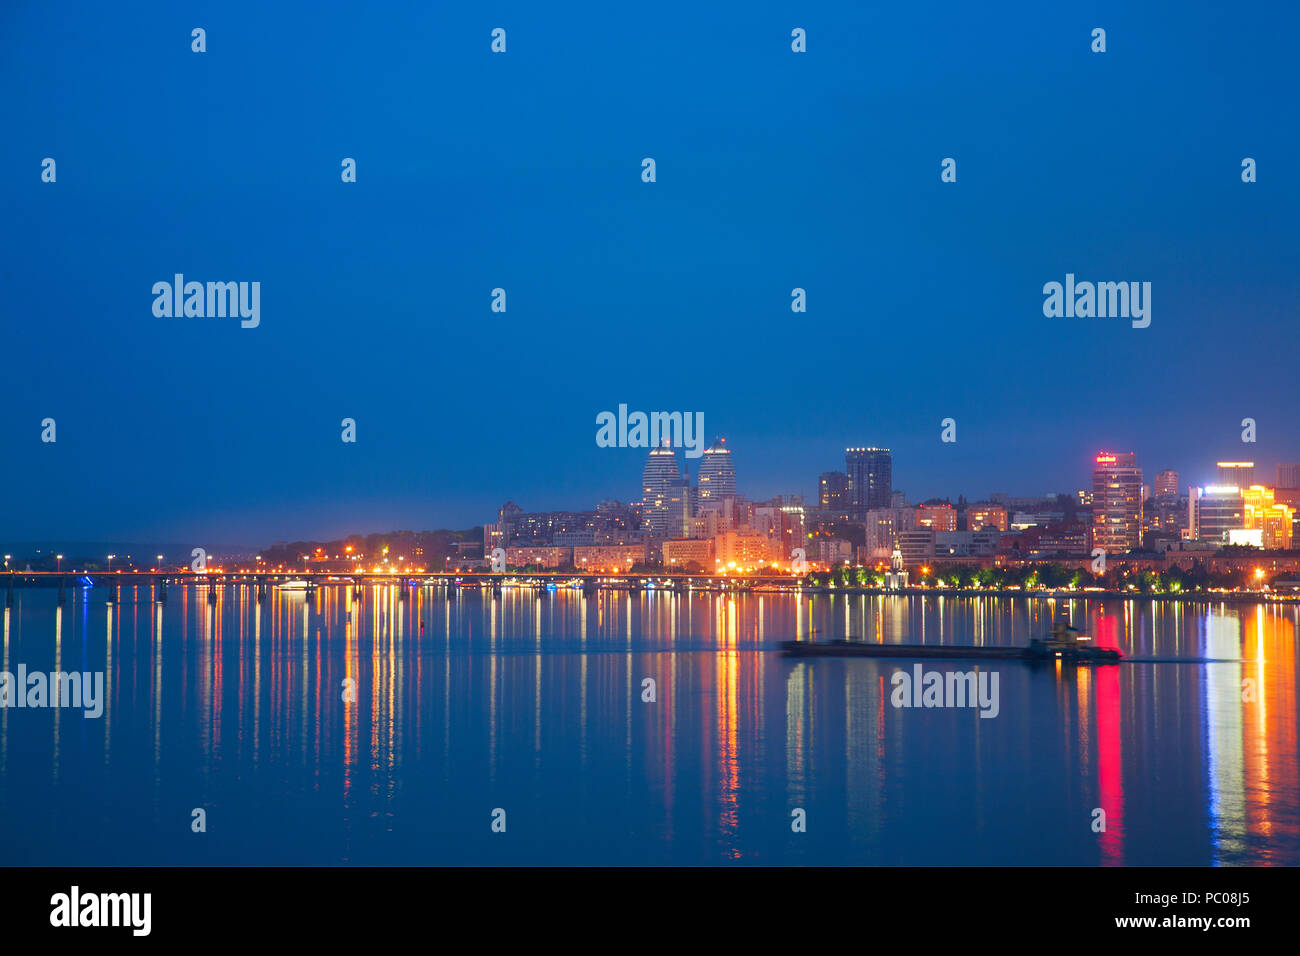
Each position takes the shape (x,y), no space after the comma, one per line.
(1069,645)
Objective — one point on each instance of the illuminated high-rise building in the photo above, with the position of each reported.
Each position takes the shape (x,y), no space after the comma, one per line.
(871,476)
(1278,525)
(1216,510)
(1238,473)
(657,486)
(717,477)
(1116,502)
(1263,512)
(1288,474)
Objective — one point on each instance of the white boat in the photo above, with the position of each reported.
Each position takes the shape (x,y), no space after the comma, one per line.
(295,585)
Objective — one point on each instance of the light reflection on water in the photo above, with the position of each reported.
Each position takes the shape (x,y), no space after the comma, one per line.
(532,702)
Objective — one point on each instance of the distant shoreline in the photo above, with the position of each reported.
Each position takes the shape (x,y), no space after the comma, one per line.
(636,584)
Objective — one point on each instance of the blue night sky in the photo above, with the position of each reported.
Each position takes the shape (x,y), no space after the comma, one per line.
(523,170)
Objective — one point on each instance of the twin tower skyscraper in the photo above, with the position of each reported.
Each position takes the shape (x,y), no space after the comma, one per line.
(668,499)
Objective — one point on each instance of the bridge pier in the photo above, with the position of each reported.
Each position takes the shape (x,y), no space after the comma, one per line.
(402,585)
(63,591)
(9,593)
(112,594)
(160,583)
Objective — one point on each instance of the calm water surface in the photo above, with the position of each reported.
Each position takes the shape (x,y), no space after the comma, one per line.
(532,702)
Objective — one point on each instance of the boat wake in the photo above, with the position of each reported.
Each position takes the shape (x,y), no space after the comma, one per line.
(1188,660)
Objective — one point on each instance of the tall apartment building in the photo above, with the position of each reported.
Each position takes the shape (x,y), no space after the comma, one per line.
(833,491)
(717,477)
(659,480)
(871,476)
(1166,484)
(1116,502)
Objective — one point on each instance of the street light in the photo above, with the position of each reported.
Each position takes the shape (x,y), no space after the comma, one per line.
(7,557)
(110,563)
(59,566)
(160,562)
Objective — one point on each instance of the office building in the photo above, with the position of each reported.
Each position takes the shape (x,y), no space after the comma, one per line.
(916,546)
(965,544)
(1216,510)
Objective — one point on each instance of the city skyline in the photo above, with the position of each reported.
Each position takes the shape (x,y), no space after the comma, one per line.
(28,527)
(677,498)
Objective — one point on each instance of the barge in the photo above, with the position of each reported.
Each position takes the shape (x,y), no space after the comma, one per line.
(1071,651)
